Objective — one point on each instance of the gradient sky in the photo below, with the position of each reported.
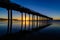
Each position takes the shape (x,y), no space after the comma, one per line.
(50,8)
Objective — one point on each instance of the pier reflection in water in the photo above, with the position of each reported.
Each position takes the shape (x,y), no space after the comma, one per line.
(21,26)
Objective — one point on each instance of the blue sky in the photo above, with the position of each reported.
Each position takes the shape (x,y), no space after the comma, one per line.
(50,8)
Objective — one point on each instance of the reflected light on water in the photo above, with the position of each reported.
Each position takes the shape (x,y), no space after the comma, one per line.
(28,24)
(16,26)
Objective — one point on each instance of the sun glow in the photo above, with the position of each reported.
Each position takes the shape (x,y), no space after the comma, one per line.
(27,18)
(56,18)
(24,18)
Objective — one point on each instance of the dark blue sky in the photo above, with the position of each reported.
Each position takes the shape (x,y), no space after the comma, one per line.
(50,8)
(47,7)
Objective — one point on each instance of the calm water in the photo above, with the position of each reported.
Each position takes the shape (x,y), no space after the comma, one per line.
(16,27)
(52,29)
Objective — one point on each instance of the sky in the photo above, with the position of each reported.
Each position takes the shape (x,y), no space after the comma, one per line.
(49,8)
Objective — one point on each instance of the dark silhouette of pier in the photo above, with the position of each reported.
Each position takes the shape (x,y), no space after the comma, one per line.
(9,6)
(13,6)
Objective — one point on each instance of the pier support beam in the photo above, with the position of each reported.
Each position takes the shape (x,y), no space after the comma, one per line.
(9,20)
(25,22)
(21,21)
(37,21)
(29,21)
(32,20)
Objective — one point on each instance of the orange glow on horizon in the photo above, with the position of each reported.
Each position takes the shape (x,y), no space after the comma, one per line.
(56,18)
(27,18)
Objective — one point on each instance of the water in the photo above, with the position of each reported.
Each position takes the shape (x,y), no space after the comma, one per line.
(50,32)
(54,28)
